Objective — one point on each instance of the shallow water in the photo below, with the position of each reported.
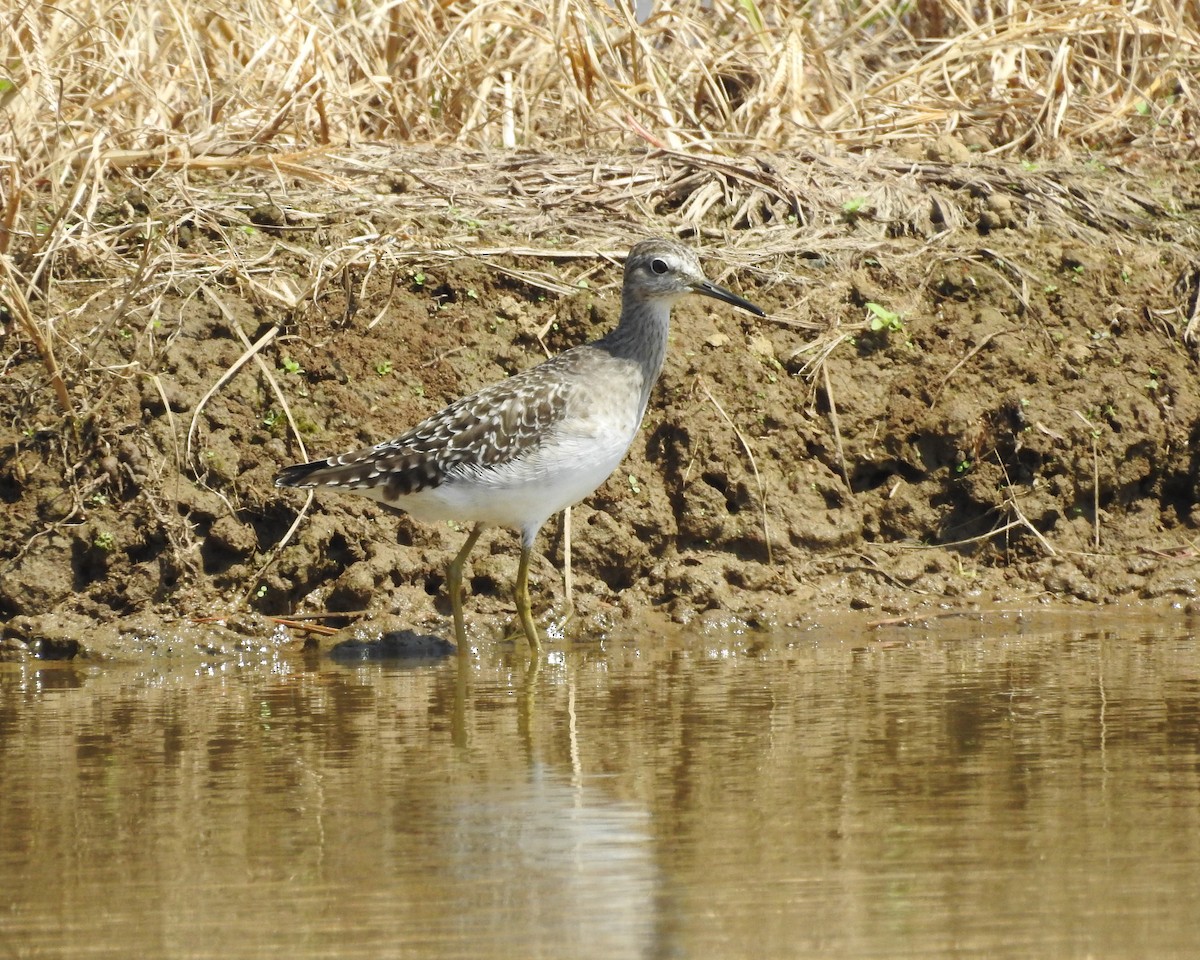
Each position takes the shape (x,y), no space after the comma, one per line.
(1001,788)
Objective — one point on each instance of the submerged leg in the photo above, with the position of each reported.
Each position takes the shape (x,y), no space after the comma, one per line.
(454,584)
(568,613)
(565,616)
(524,614)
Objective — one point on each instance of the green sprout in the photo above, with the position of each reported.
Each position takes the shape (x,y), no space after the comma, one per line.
(884,320)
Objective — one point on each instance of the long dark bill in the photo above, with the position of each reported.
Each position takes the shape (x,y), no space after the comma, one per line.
(710,289)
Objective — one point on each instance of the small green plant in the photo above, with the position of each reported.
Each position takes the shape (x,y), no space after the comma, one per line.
(104,541)
(288,365)
(634,485)
(383,367)
(472,294)
(260,592)
(272,418)
(418,278)
(97,500)
(1152,384)
(884,320)
(469,222)
(855,209)
(964,466)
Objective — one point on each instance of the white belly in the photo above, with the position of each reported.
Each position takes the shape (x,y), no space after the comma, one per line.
(522,494)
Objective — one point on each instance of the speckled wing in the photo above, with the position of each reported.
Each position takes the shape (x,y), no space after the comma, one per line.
(500,423)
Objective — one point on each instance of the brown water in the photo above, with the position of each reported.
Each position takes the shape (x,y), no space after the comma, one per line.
(995,789)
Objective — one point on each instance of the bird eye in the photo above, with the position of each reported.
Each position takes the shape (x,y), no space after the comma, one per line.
(658,266)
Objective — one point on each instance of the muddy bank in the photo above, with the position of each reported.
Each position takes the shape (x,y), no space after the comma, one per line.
(977,384)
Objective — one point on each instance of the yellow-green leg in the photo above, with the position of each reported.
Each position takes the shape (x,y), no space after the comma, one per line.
(524,613)
(455,586)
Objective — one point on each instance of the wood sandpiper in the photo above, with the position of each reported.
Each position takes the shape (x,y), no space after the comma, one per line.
(517,452)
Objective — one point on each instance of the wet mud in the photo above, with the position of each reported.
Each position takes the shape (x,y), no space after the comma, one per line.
(1006,415)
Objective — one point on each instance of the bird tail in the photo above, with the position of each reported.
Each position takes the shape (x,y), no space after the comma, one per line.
(374,472)
(316,473)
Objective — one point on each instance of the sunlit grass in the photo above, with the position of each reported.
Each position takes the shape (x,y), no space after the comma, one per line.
(145,83)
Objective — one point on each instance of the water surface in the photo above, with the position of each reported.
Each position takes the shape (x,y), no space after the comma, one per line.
(1002,788)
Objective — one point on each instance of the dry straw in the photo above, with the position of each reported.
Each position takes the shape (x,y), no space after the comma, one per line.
(129,83)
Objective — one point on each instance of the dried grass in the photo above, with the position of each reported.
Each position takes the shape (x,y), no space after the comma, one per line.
(269,96)
(121,83)
(174,93)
